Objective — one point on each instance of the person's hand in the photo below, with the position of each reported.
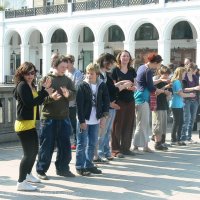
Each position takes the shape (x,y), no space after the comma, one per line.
(196,87)
(159,91)
(47,83)
(102,122)
(164,80)
(55,96)
(65,91)
(114,105)
(168,93)
(83,126)
(49,90)
(191,95)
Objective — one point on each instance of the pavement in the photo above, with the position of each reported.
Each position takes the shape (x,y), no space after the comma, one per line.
(171,175)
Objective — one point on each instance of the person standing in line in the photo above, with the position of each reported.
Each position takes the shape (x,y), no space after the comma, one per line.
(177,105)
(93,106)
(103,152)
(190,84)
(77,77)
(145,86)
(123,129)
(159,116)
(25,125)
(55,125)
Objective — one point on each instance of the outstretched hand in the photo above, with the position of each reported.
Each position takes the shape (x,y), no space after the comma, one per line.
(65,91)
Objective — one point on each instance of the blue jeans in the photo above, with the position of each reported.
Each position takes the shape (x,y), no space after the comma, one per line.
(52,131)
(86,143)
(104,136)
(189,116)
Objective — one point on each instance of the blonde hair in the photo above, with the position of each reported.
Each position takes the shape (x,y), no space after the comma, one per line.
(94,67)
(178,74)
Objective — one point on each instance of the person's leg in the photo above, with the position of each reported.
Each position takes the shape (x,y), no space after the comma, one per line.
(127,127)
(186,120)
(193,111)
(29,141)
(91,144)
(63,131)
(174,125)
(47,141)
(72,116)
(180,123)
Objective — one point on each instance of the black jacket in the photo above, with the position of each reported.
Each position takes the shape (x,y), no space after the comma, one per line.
(26,102)
(84,101)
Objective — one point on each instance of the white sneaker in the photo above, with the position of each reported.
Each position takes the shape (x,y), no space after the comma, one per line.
(25,186)
(32,179)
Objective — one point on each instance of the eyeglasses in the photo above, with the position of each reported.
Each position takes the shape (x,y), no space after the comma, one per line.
(30,73)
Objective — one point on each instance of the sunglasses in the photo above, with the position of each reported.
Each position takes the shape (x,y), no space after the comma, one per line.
(30,73)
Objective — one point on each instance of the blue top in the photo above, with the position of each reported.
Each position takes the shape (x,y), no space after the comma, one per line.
(144,81)
(177,100)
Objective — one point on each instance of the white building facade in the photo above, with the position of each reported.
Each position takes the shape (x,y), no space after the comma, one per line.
(87,29)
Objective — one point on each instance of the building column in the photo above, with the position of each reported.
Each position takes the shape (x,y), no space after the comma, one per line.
(130,46)
(98,49)
(164,49)
(46,58)
(24,53)
(198,53)
(72,48)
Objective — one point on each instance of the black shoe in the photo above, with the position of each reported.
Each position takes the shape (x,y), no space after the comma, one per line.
(100,160)
(65,173)
(94,170)
(83,172)
(161,147)
(129,153)
(42,175)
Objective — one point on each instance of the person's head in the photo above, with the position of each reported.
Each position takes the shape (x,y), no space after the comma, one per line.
(92,72)
(191,67)
(154,60)
(187,61)
(54,56)
(70,62)
(124,58)
(25,72)
(171,66)
(106,61)
(179,74)
(164,72)
(60,65)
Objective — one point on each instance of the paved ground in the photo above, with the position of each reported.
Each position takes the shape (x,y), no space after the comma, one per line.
(174,174)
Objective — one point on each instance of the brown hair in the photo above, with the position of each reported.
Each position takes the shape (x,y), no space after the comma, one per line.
(22,70)
(70,58)
(119,61)
(164,70)
(53,58)
(191,67)
(154,58)
(59,60)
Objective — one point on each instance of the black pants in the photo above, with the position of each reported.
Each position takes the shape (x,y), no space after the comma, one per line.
(72,116)
(29,141)
(177,124)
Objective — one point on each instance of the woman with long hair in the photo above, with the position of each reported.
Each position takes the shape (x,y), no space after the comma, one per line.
(25,125)
(123,123)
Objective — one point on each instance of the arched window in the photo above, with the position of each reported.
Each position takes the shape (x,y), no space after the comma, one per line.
(115,34)
(59,36)
(147,31)
(182,30)
(88,35)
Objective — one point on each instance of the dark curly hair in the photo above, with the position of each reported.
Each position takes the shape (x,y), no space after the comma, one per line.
(22,70)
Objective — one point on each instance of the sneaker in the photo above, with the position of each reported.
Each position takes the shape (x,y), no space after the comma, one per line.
(94,170)
(161,147)
(109,158)
(73,147)
(32,179)
(42,175)
(65,173)
(191,141)
(180,143)
(148,150)
(100,160)
(25,186)
(129,153)
(83,172)
(166,145)
(118,155)
(137,151)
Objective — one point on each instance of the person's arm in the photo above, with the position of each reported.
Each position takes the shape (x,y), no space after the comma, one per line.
(80,101)
(105,100)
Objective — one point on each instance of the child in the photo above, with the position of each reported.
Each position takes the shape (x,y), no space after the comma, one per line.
(177,105)
(93,107)
(159,117)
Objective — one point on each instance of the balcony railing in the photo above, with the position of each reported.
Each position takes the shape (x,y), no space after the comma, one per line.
(101,4)
(36,11)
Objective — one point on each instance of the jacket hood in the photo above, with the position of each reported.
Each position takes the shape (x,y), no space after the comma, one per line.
(99,81)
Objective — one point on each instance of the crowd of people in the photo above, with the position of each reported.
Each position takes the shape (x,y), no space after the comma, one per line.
(95,113)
